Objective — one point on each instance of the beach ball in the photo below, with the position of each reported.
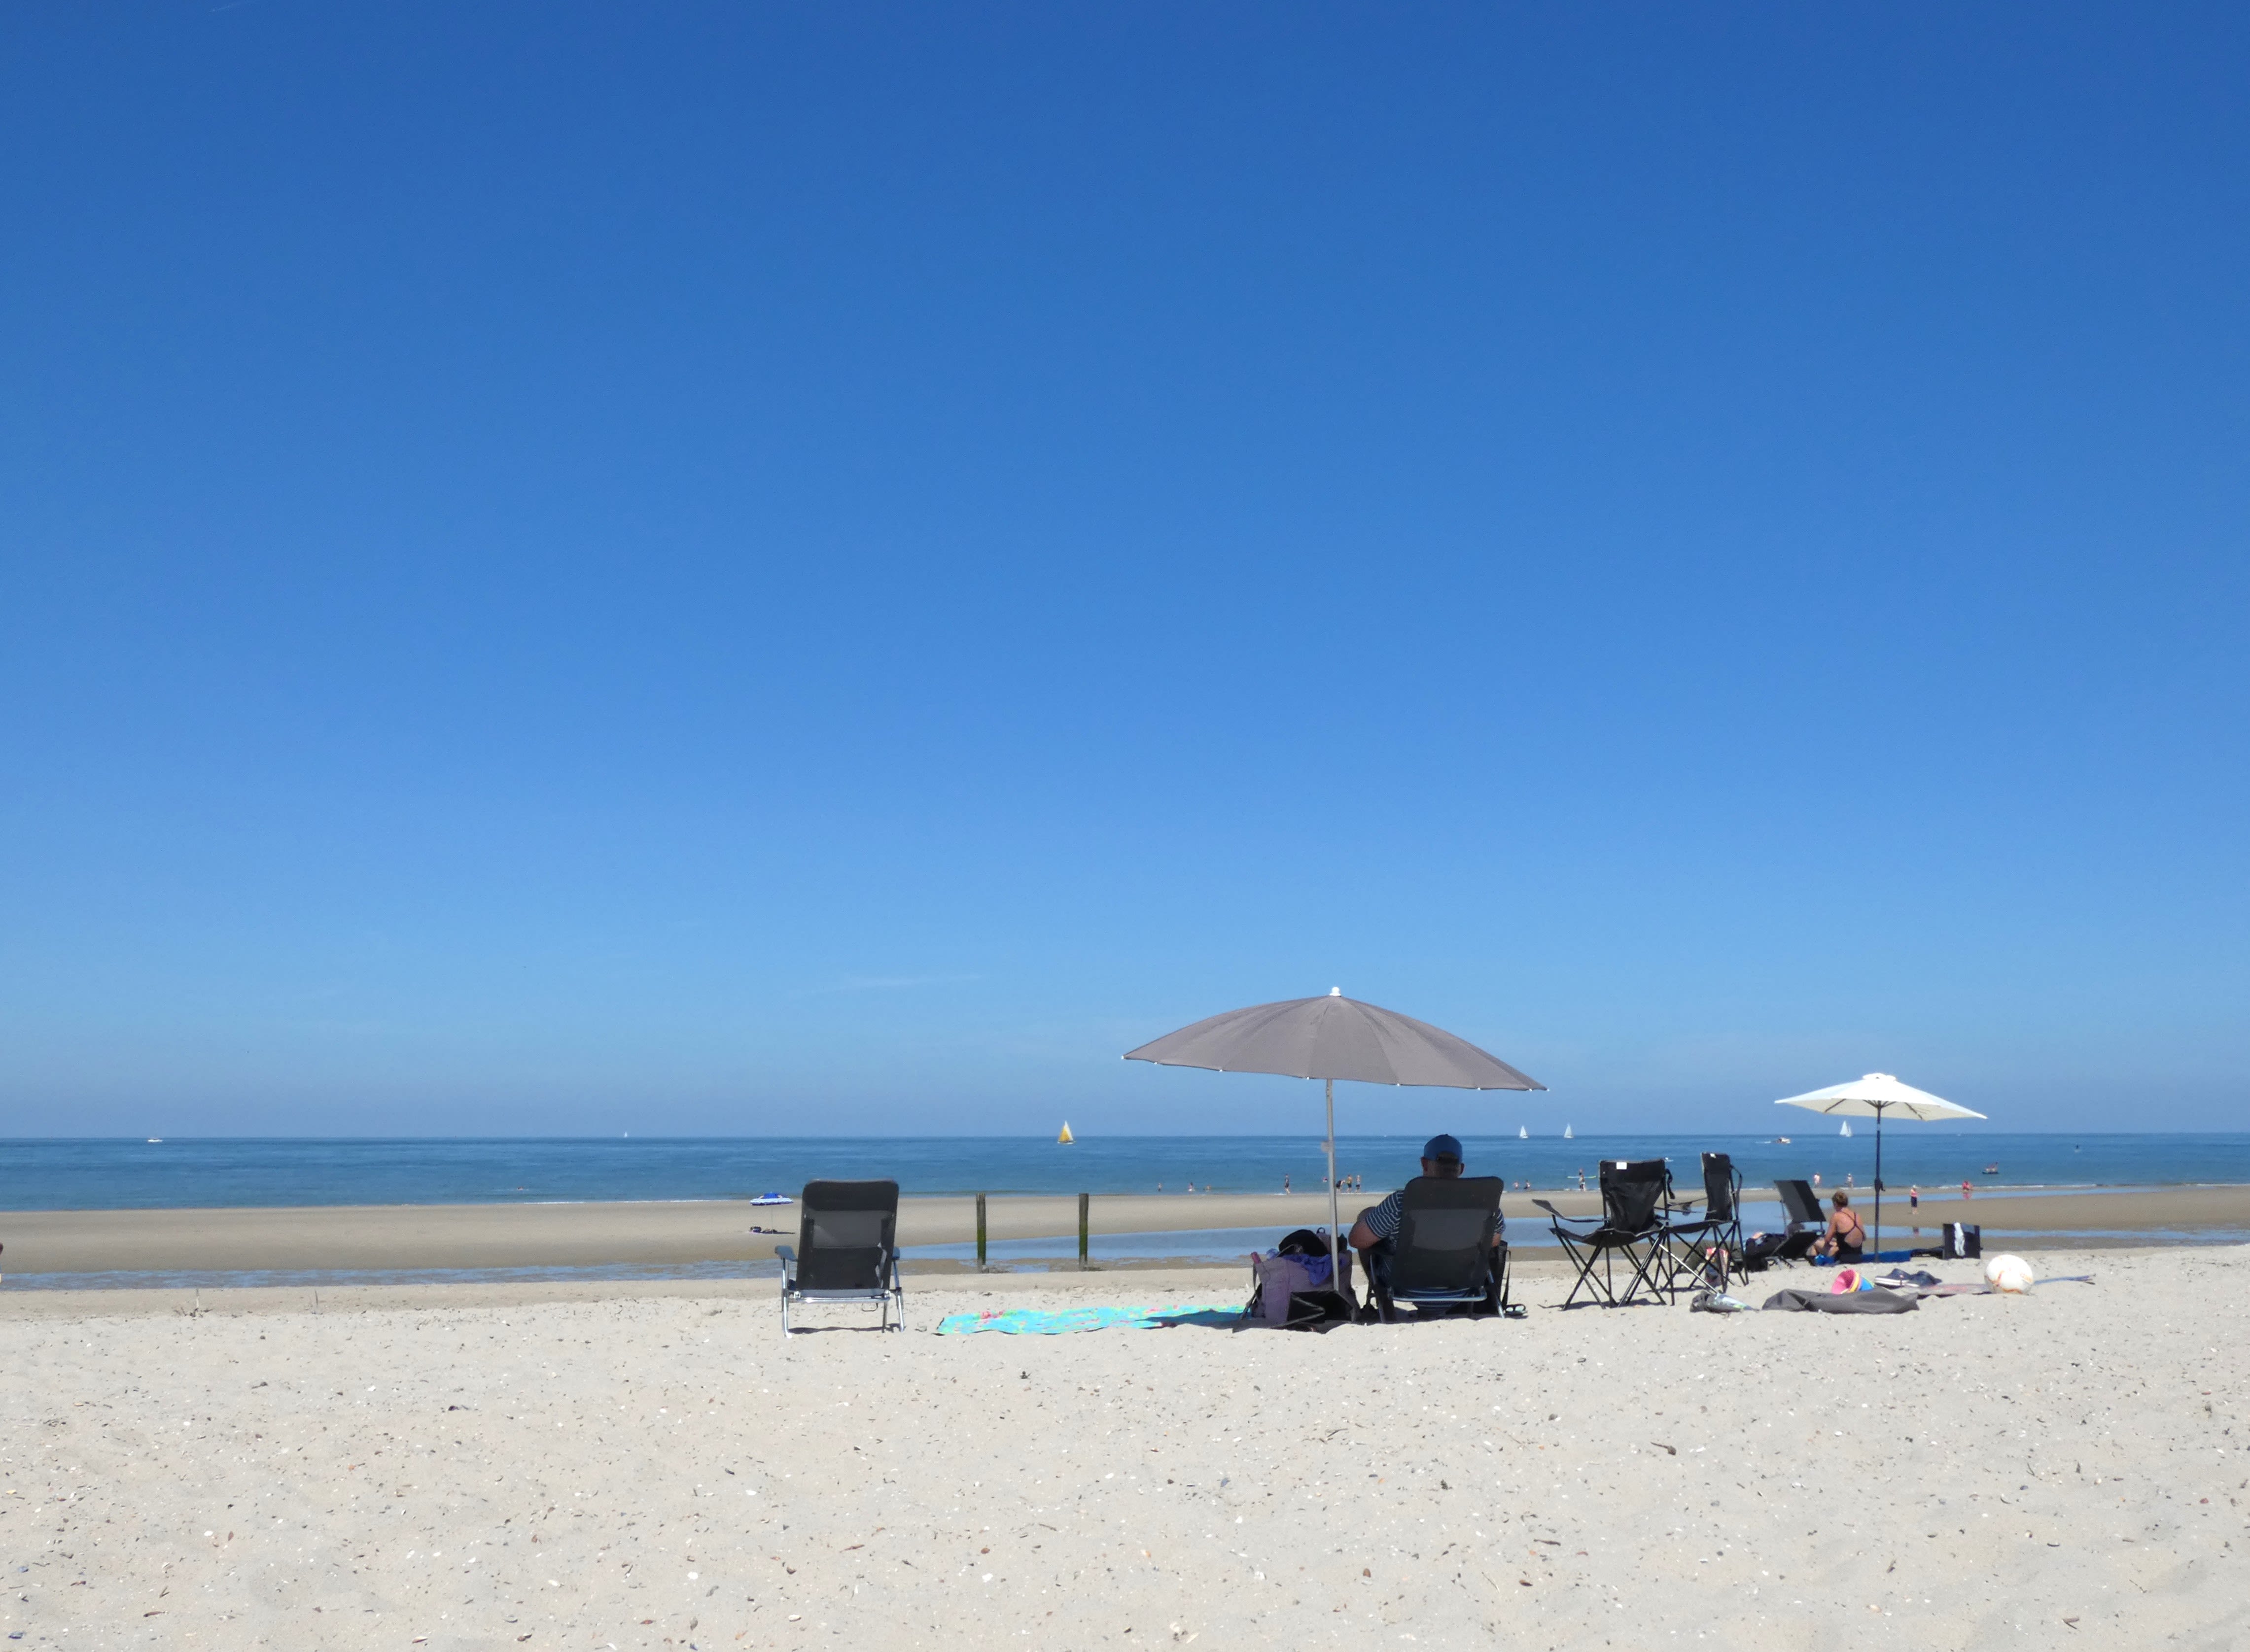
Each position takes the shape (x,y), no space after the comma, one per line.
(2011,1274)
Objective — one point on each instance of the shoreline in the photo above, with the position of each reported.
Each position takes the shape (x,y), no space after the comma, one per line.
(442,1239)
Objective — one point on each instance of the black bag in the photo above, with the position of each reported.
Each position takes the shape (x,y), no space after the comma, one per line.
(1305,1242)
(1963,1241)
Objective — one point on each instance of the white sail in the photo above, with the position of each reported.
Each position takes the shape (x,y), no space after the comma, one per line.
(1524,1133)
(1847,1126)
(1567,1134)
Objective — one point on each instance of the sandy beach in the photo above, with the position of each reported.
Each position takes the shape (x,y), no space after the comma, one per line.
(467,1467)
(429,1238)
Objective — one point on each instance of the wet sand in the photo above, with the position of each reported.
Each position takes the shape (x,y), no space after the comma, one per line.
(564,1235)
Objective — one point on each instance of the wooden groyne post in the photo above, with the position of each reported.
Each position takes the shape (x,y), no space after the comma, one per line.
(980,1233)
(1085,1200)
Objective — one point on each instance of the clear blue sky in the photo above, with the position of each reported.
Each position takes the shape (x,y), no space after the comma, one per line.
(684,568)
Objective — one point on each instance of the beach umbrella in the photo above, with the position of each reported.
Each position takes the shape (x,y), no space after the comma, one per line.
(1879,1096)
(1331,1038)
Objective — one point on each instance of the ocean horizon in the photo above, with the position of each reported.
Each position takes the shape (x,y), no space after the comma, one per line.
(109,1172)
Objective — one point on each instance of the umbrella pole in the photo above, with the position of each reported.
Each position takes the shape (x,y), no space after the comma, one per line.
(1879,1183)
(1336,1239)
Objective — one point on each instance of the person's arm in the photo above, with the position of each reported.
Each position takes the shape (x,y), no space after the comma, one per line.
(1363,1237)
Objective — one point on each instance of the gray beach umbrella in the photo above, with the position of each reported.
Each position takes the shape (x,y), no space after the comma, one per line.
(1331,1038)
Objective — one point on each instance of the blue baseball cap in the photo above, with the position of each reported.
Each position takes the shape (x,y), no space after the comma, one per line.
(1442,1147)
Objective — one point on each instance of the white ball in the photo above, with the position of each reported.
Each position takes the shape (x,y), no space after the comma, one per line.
(2009,1274)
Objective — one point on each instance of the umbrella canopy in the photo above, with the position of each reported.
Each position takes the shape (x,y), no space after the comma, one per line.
(1334,1037)
(1877,1095)
(1331,1038)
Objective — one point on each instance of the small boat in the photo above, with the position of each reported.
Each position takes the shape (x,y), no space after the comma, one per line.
(1567,1134)
(1991,1170)
(1783,1140)
(773,1199)
(155,1141)
(1847,1127)
(1524,1133)
(1066,1139)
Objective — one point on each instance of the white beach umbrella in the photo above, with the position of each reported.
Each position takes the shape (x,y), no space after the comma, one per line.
(1877,1095)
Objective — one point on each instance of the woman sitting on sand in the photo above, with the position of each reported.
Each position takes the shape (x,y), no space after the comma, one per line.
(1845,1240)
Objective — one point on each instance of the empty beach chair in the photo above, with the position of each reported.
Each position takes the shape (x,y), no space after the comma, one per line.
(1801,1209)
(1443,1256)
(1630,1227)
(849,1234)
(1700,1250)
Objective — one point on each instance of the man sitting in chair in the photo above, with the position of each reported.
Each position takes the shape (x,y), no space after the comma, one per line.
(1374,1235)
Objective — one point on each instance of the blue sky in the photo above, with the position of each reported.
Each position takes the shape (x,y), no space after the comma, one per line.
(762,570)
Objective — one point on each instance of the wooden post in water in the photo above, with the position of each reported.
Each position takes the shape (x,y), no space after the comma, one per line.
(1084,1200)
(980,1233)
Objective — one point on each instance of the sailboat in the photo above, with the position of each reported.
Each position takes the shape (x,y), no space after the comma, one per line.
(1066,1139)
(1568,1135)
(1847,1127)
(1524,1133)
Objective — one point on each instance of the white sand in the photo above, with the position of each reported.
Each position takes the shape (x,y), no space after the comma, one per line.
(661,1469)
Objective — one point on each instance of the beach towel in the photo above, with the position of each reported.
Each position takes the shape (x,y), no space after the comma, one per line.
(1034,1322)
(1854,1302)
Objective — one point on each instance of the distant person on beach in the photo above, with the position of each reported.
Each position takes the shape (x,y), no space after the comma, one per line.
(1582,1180)
(1967,1192)
(1845,1240)
(1815,1178)
(1375,1236)
(1285,1181)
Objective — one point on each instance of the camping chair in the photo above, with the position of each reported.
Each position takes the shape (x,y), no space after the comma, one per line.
(1631,1225)
(1703,1249)
(1801,1209)
(849,1230)
(1443,1255)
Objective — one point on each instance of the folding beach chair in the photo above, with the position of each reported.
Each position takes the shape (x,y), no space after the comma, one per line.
(1632,1225)
(849,1230)
(1443,1256)
(1700,1251)
(1801,1209)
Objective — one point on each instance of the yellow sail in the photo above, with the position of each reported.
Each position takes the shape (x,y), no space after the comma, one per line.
(1065,1136)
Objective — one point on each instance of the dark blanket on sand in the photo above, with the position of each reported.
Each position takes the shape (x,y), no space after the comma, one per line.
(1850,1302)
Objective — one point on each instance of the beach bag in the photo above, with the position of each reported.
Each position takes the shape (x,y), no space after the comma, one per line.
(1963,1241)
(1304,1242)
(1291,1294)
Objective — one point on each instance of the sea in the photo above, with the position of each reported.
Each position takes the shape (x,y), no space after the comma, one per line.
(221,1171)
(97,1175)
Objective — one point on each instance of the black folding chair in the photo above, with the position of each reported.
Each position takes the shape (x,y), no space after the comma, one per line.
(849,1230)
(1701,1252)
(1631,1226)
(1444,1256)
(1803,1224)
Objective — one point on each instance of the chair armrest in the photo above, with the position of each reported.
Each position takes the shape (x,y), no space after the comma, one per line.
(786,1253)
(1559,1216)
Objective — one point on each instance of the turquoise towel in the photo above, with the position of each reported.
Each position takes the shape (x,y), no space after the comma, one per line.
(1033,1322)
